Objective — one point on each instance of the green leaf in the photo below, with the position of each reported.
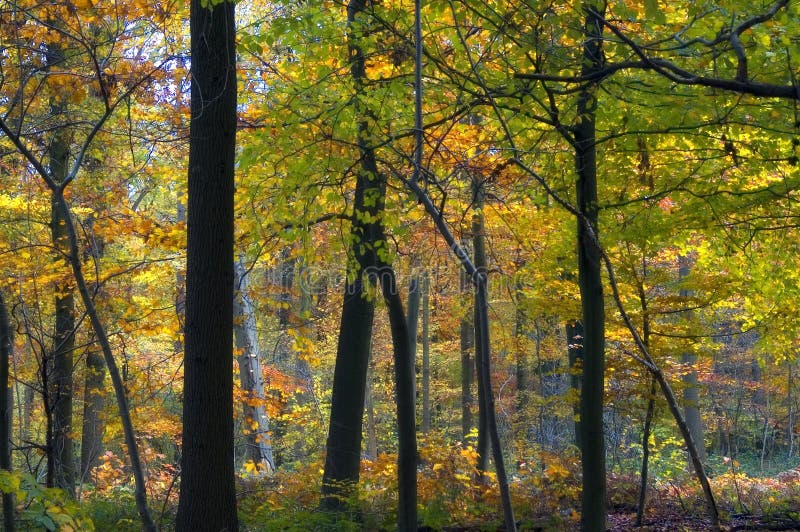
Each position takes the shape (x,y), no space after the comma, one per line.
(653,12)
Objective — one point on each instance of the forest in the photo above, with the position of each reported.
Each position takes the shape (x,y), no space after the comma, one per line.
(399,265)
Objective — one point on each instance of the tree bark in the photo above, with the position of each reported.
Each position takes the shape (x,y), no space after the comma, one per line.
(6,354)
(467,362)
(426,354)
(93,391)
(404,381)
(256,420)
(208,495)
(593,505)
(60,456)
(412,324)
(343,447)
(691,390)
(574,331)
(93,403)
(479,249)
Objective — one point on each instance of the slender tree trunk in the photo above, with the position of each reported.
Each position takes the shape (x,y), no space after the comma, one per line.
(180,288)
(574,331)
(372,429)
(93,391)
(479,246)
(593,507)
(412,324)
(404,391)
(467,362)
(691,390)
(790,398)
(93,403)
(426,354)
(648,421)
(61,460)
(208,494)
(6,355)
(651,399)
(521,352)
(256,420)
(484,368)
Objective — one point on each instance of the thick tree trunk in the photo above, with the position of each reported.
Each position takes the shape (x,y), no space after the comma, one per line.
(467,362)
(61,460)
(208,495)
(6,354)
(593,507)
(256,420)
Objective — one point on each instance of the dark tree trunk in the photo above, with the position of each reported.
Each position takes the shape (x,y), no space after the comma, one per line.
(574,332)
(61,461)
(6,353)
(467,361)
(208,496)
(93,391)
(691,390)
(412,324)
(593,507)
(404,381)
(521,351)
(426,354)
(343,447)
(93,402)
(648,421)
(371,450)
(479,247)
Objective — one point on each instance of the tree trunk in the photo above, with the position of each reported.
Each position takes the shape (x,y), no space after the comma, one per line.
(790,422)
(208,494)
(61,461)
(574,331)
(479,247)
(412,323)
(426,354)
(651,399)
(6,354)
(404,391)
(691,391)
(343,447)
(521,351)
(648,421)
(256,420)
(93,403)
(93,391)
(593,507)
(467,363)
(372,430)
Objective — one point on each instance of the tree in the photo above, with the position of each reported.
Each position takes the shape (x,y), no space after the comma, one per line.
(207,495)
(6,354)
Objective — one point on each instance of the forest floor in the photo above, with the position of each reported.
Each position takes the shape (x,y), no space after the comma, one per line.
(619,522)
